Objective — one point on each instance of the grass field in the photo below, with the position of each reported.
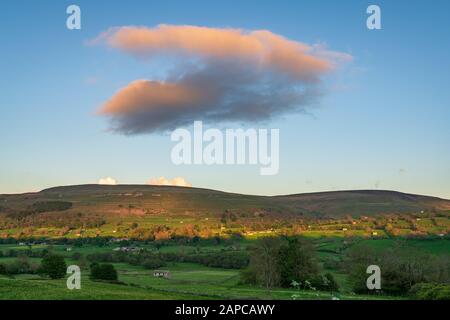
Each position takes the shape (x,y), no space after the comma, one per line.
(32,288)
(190,280)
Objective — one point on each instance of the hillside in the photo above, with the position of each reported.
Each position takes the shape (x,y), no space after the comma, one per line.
(363,202)
(142,199)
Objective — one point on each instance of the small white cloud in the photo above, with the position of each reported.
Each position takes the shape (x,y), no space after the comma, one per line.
(108,181)
(162,181)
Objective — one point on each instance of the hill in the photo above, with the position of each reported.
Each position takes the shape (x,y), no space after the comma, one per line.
(172,200)
(364,202)
(164,212)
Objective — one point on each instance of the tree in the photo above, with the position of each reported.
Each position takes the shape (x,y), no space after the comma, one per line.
(296,261)
(103,271)
(280,261)
(54,266)
(264,263)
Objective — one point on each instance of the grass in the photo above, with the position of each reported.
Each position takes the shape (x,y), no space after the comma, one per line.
(433,246)
(26,289)
(190,280)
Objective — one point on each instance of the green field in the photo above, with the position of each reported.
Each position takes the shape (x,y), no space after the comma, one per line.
(190,280)
(33,288)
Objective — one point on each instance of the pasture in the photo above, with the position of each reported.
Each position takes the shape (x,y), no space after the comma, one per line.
(188,280)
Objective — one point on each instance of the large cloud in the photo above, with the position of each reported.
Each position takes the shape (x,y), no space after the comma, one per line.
(220,75)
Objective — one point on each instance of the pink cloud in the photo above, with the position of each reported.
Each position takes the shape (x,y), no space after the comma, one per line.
(238,75)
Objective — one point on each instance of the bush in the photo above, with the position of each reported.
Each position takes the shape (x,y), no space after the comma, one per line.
(103,271)
(430,291)
(54,266)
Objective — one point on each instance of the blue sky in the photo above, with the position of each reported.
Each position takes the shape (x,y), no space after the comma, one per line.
(382,122)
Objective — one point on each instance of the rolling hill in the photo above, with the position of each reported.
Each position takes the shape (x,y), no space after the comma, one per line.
(146,199)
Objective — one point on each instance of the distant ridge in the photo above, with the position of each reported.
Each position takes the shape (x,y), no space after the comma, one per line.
(178,199)
(86,187)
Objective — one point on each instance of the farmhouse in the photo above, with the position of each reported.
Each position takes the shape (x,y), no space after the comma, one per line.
(161,274)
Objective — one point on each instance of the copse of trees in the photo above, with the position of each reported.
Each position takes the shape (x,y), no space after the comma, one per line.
(11,253)
(37,216)
(21,265)
(228,260)
(47,206)
(401,270)
(284,261)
